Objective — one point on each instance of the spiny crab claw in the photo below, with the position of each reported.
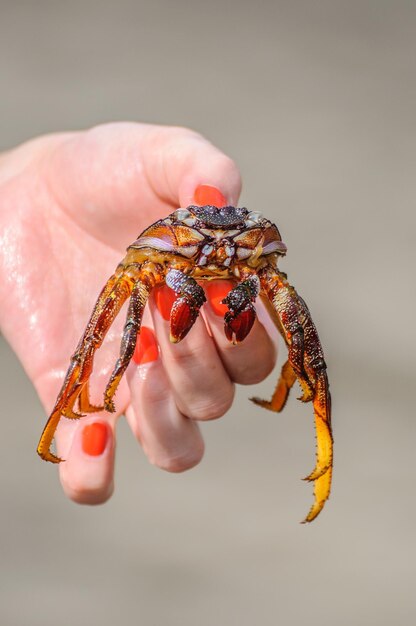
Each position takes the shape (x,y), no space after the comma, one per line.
(185,309)
(237,326)
(239,319)
(182,318)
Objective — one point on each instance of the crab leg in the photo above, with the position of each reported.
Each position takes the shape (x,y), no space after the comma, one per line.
(137,303)
(84,403)
(322,409)
(185,309)
(307,363)
(114,294)
(281,393)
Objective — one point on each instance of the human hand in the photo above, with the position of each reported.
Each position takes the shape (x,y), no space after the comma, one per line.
(69,206)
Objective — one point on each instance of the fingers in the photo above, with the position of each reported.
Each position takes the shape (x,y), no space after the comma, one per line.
(170,440)
(193,380)
(200,384)
(88,447)
(116,179)
(253,359)
(87,444)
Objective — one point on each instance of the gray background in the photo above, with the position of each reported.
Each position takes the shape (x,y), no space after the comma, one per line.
(316,102)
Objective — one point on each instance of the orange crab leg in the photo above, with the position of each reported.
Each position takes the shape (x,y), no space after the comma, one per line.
(324,442)
(306,362)
(109,303)
(280,395)
(137,303)
(84,403)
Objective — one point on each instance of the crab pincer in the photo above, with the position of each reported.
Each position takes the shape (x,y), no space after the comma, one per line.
(186,307)
(241,314)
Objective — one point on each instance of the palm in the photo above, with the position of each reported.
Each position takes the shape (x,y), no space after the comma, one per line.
(62,244)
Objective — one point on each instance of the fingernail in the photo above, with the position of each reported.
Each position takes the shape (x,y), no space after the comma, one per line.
(164,298)
(94,438)
(207,194)
(147,349)
(217,291)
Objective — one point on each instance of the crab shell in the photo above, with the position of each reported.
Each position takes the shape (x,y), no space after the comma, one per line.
(216,242)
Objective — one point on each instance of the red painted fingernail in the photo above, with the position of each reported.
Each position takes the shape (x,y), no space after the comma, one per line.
(94,438)
(164,298)
(207,194)
(217,291)
(147,349)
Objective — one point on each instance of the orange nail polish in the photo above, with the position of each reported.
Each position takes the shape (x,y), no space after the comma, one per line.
(94,438)
(147,349)
(217,291)
(207,194)
(164,298)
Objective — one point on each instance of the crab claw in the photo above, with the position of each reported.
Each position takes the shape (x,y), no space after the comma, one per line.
(185,309)
(238,325)
(182,318)
(239,319)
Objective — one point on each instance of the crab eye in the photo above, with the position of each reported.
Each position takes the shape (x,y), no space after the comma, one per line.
(255,216)
(182,214)
(189,221)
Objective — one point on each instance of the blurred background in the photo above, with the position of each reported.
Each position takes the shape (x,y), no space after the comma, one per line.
(316,102)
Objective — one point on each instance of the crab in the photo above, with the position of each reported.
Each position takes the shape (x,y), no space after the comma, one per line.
(190,246)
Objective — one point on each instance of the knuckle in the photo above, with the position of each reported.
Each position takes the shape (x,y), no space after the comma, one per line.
(230,172)
(230,168)
(248,375)
(181,461)
(209,408)
(225,164)
(185,359)
(183,132)
(251,361)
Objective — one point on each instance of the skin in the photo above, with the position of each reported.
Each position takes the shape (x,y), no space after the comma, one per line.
(70,204)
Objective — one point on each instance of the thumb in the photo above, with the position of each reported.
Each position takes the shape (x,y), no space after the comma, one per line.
(115,179)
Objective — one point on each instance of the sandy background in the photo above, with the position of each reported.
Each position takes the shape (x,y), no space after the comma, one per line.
(316,102)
